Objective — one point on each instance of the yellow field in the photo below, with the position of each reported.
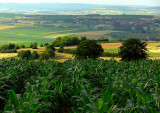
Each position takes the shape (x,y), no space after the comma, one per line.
(89,34)
(6,27)
(115,45)
(39,50)
(61,57)
(7,55)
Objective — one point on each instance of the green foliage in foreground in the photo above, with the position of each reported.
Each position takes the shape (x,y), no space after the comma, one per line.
(94,86)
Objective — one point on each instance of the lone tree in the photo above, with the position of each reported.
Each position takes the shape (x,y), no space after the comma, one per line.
(88,49)
(25,55)
(133,49)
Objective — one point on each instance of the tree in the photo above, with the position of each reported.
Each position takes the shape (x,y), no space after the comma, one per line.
(22,46)
(26,55)
(41,45)
(17,47)
(35,55)
(46,44)
(61,49)
(133,49)
(50,53)
(88,49)
(34,45)
(83,38)
(31,46)
(43,56)
(50,47)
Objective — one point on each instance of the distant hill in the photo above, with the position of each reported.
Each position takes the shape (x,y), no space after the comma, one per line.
(49,6)
(76,9)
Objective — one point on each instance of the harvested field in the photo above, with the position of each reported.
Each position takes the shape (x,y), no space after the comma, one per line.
(153,44)
(39,50)
(61,57)
(7,27)
(7,55)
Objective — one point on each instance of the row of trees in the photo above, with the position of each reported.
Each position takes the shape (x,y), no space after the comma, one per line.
(73,40)
(10,48)
(131,49)
(48,53)
(27,55)
(66,41)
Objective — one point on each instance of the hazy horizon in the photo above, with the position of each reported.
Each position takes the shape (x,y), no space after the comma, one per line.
(106,2)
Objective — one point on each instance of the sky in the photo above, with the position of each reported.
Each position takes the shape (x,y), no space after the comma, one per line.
(109,2)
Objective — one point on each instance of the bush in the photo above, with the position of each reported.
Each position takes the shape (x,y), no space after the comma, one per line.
(17,47)
(46,44)
(22,46)
(133,49)
(43,56)
(88,49)
(50,47)
(50,53)
(31,45)
(8,48)
(25,55)
(34,45)
(61,49)
(35,55)
(83,38)
(66,41)
(41,45)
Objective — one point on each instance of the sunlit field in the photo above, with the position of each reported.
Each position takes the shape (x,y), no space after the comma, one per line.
(153,51)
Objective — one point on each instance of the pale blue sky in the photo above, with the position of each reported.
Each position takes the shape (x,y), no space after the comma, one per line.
(115,2)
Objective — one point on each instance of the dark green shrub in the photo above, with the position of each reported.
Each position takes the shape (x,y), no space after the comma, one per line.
(41,45)
(83,38)
(61,49)
(43,56)
(35,55)
(133,49)
(50,47)
(88,49)
(34,45)
(50,53)
(25,55)
(22,46)
(31,45)
(66,41)
(8,48)
(46,44)
(17,47)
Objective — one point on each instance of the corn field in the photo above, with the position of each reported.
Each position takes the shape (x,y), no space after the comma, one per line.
(79,86)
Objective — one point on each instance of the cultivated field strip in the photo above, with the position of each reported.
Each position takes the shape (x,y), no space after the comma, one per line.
(94,86)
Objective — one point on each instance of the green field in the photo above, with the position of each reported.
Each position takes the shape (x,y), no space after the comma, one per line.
(94,86)
(25,29)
